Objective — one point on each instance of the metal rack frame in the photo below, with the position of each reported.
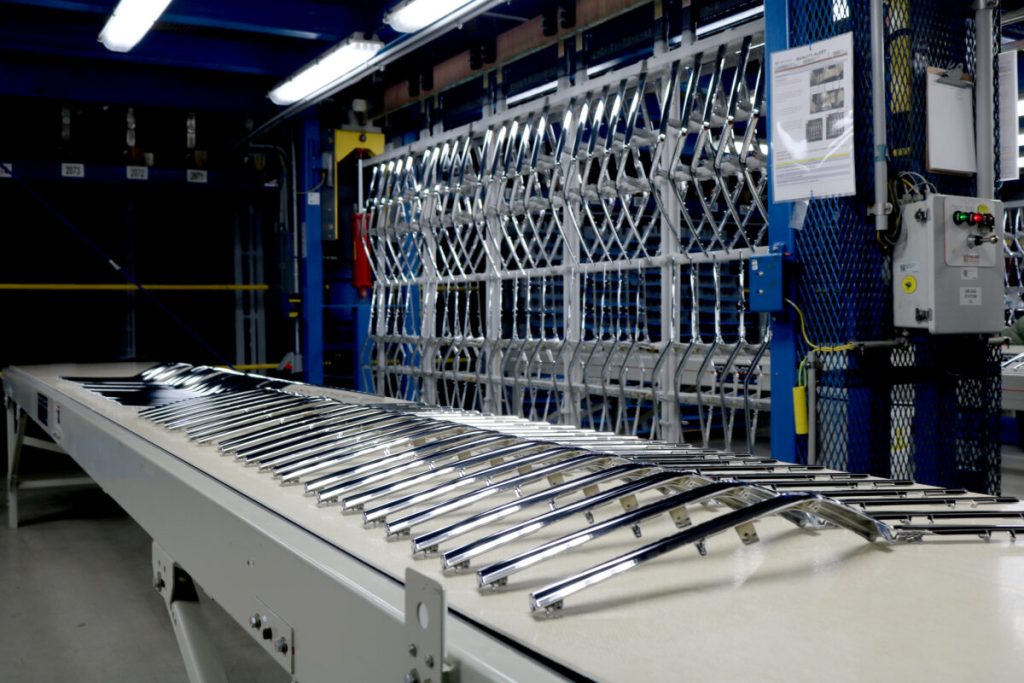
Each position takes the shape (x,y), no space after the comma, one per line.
(432,200)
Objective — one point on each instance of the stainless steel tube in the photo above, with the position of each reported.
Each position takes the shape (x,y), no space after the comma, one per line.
(878,107)
(984,97)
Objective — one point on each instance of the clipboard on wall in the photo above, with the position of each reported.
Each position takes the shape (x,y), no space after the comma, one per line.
(950,122)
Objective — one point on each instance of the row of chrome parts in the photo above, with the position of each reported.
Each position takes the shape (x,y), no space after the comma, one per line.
(173,382)
(412,471)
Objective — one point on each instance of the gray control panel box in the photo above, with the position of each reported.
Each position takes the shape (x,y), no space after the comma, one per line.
(948,266)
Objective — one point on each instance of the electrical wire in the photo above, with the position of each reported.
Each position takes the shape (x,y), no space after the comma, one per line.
(81,235)
(807,340)
(915,188)
(817,348)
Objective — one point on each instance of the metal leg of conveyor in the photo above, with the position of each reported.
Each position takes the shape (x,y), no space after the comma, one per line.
(17,420)
(175,586)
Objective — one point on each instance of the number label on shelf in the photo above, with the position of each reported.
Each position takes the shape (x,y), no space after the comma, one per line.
(72,170)
(136,172)
(6,170)
(195,175)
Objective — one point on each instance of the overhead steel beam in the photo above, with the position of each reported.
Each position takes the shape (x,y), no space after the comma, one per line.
(128,84)
(26,33)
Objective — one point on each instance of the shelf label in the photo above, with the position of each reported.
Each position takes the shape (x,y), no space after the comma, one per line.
(195,175)
(72,170)
(136,172)
(4,173)
(313,199)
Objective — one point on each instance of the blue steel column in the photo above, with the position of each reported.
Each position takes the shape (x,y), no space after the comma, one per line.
(312,253)
(780,236)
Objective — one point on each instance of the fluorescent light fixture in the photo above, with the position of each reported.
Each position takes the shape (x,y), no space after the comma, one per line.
(331,66)
(594,71)
(130,21)
(519,98)
(412,15)
(730,21)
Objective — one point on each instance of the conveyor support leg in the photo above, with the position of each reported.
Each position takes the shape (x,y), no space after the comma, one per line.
(202,661)
(17,420)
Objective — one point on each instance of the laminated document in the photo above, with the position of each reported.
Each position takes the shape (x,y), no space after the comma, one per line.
(1009,118)
(812,120)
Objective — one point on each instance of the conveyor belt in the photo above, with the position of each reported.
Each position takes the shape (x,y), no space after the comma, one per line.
(803,603)
(406,468)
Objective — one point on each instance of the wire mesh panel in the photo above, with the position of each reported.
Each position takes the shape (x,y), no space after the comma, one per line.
(928,408)
(582,259)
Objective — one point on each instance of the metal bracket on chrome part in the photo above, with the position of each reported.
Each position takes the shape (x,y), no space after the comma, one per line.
(426,611)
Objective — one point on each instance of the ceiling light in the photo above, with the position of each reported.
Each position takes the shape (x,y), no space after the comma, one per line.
(130,21)
(412,15)
(530,94)
(730,21)
(329,67)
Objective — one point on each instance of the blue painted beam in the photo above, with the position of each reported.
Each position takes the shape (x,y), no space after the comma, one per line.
(298,19)
(38,35)
(780,235)
(312,253)
(129,84)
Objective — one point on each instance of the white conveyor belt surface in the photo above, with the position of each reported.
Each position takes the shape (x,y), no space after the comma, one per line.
(798,605)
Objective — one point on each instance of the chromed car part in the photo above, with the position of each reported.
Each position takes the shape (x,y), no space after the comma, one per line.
(320,417)
(370,444)
(317,431)
(457,467)
(273,399)
(264,420)
(459,557)
(337,491)
(199,405)
(408,466)
(410,454)
(497,574)
(355,437)
(587,484)
(552,597)
(527,475)
(329,439)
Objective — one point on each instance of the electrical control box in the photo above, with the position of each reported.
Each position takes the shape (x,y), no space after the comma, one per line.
(766,283)
(948,266)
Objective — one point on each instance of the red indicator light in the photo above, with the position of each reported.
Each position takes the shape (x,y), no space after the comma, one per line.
(977,218)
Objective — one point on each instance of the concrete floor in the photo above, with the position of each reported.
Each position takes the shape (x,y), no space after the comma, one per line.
(77,604)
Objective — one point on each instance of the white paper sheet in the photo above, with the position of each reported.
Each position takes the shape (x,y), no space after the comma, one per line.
(1009,121)
(812,120)
(950,126)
